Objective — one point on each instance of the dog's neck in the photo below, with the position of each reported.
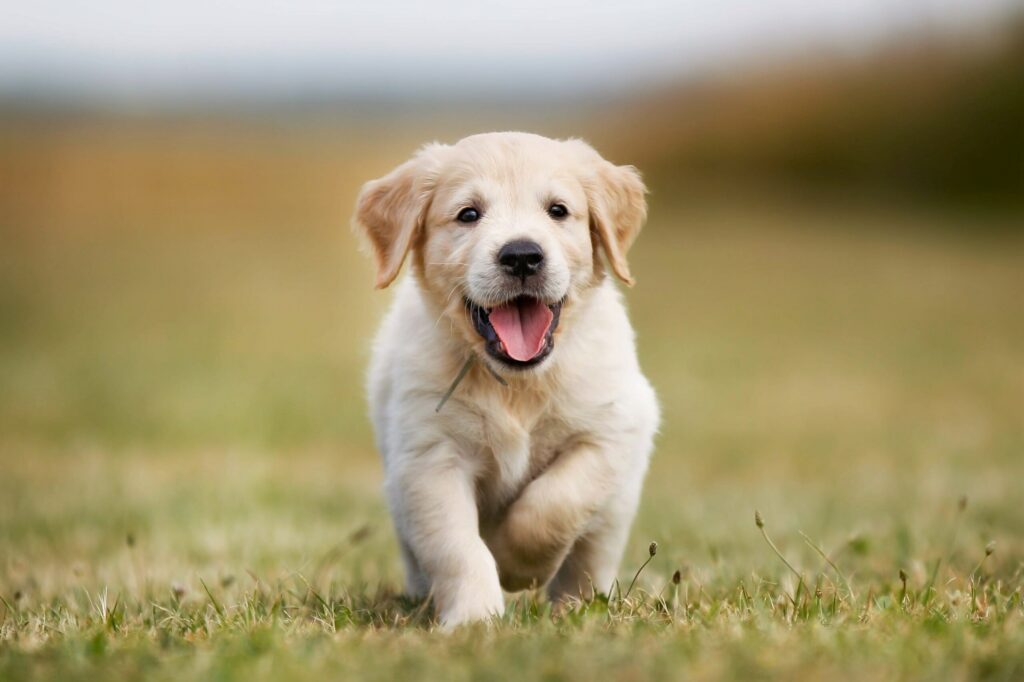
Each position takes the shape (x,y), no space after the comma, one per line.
(466,367)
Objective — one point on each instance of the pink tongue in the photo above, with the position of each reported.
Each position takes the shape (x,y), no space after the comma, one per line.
(521,325)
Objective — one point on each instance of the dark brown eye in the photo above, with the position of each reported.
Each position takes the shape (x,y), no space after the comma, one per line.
(558,211)
(468,215)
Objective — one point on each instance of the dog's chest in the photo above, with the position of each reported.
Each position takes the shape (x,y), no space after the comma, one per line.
(517,451)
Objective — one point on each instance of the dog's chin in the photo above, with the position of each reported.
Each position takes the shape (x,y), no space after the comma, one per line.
(514,351)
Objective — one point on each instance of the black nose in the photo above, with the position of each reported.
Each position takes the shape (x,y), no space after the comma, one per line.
(521,258)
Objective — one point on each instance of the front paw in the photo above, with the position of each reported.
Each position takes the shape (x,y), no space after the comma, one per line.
(471,602)
(523,566)
(471,595)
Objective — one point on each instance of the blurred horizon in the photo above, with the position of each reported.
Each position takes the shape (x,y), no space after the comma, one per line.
(117,56)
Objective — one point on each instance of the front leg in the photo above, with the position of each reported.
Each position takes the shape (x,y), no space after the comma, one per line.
(551,513)
(433,499)
(594,559)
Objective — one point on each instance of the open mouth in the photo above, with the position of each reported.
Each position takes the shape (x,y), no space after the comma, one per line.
(519,332)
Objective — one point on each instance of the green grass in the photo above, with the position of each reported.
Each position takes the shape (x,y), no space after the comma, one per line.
(188,488)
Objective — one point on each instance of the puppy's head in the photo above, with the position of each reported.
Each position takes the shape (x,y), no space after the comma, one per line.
(504,231)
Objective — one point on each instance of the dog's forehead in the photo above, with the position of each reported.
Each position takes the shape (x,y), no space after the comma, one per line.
(510,160)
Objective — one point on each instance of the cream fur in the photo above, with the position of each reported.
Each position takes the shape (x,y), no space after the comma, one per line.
(536,483)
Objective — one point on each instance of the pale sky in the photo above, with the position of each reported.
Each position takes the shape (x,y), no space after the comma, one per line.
(135,48)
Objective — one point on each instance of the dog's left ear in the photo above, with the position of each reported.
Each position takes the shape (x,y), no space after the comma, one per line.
(618,207)
(391,211)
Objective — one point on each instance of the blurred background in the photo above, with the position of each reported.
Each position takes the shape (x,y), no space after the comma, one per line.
(829,295)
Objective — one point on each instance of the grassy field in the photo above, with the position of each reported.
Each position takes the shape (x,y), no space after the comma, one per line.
(188,487)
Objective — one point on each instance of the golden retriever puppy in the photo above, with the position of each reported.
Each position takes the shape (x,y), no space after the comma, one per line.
(529,473)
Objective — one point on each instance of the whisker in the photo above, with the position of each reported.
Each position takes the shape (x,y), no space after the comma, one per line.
(447,300)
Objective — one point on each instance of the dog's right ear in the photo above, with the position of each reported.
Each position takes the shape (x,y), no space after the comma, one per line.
(391,211)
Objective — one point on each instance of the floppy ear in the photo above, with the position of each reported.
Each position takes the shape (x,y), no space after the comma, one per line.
(618,208)
(391,210)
